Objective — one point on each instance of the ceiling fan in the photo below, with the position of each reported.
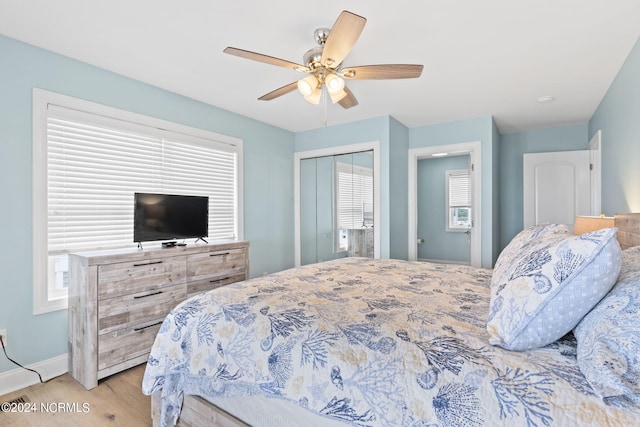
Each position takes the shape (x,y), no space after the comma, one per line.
(324,64)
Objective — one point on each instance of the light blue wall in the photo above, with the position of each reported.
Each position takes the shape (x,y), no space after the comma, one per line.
(478,129)
(395,140)
(512,148)
(268,183)
(618,116)
(398,182)
(439,244)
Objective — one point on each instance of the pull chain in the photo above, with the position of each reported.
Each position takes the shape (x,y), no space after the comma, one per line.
(324,103)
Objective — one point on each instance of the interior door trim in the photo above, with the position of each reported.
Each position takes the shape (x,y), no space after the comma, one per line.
(333,151)
(474,150)
(595,152)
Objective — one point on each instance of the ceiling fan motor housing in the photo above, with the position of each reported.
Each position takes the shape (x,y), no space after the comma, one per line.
(312,57)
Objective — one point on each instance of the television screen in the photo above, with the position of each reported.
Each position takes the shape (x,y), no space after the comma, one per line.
(169,216)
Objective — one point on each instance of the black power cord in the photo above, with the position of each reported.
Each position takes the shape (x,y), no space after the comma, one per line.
(13,361)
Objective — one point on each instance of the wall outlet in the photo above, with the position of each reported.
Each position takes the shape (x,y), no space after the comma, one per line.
(3,334)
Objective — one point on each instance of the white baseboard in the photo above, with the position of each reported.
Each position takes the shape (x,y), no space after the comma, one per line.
(16,379)
(443,261)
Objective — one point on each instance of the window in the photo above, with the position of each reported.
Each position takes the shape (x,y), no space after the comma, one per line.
(458,194)
(354,200)
(89,160)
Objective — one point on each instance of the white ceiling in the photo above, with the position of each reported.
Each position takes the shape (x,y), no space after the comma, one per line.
(481,57)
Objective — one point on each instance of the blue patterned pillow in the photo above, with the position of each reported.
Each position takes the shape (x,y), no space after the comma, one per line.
(609,336)
(549,285)
(529,235)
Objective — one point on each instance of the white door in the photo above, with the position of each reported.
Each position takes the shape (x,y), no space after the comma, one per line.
(557,187)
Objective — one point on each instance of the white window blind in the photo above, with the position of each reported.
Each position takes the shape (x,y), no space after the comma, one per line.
(95,164)
(355,196)
(459,189)
(458,184)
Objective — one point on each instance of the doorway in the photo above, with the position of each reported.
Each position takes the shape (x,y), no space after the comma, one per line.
(428,247)
(444,209)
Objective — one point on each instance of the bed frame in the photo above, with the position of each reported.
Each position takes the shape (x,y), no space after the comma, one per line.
(628,229)
(196,411)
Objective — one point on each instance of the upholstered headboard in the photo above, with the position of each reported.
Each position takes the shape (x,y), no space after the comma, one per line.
(628,229)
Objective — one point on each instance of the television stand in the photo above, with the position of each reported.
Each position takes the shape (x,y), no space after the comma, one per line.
(200,238)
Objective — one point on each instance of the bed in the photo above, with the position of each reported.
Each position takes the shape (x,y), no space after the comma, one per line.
(365,342)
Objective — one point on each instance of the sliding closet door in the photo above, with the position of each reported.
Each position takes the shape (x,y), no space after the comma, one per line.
(308,207)
(336,207)
(354,199)
(316,210)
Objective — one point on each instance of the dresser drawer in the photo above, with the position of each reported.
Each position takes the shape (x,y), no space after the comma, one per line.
(125,344)
(216,264)
(134,309)
(204,285)
(139,276)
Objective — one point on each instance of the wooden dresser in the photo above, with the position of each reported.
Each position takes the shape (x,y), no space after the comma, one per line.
(119,298)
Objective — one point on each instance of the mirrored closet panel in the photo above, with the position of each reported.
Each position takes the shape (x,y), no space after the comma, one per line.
(336,207)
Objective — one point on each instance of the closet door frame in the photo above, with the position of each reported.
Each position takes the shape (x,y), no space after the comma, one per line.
(334,151)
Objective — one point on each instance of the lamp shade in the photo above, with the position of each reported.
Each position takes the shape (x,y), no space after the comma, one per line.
(586,224)
(334,84)
(337,96)
(308,85)
(314,97)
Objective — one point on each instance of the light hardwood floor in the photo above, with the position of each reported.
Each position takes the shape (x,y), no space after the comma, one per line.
(117,401)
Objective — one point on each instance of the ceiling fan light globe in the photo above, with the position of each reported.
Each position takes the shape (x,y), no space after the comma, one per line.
(307,85)
(334,83)
(314,98)
(337,96)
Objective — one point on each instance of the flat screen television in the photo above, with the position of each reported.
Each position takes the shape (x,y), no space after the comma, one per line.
(169,217)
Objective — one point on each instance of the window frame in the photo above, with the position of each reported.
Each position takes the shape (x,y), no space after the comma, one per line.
(41,100)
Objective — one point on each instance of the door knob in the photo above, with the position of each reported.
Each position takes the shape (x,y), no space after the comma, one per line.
(420,241)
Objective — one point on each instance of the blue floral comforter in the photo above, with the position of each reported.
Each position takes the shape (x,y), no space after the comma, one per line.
(371,343)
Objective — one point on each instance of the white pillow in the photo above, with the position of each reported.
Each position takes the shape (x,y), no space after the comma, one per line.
(548,285)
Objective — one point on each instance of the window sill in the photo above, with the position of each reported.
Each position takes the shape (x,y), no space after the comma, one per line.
(42,305)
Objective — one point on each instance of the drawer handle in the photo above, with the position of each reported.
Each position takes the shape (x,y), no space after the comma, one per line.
(148,326)
(148,295)
(222,254)
(219,280)
(147,263)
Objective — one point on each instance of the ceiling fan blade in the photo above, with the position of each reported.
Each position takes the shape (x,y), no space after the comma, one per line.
(382,72)
(349,100)
(279,92)
(343,35)
(266,59)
